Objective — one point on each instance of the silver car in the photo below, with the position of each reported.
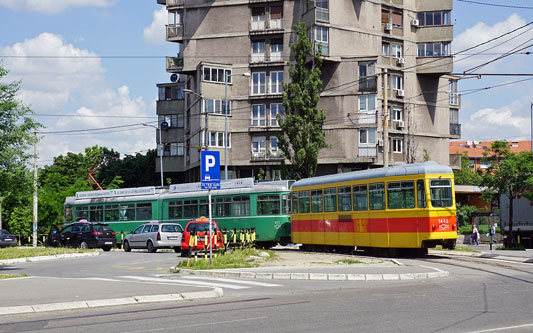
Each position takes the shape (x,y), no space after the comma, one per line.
(153,236)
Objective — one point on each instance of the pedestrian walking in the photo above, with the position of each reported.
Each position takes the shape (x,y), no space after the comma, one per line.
(475,235)
(492,234)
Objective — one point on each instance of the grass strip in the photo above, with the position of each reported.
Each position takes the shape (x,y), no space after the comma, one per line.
(25,252)
(245,258)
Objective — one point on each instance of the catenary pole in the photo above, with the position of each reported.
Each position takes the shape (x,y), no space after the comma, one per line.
(35,203)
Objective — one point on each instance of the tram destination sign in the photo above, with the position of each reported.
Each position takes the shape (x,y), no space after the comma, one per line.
(119,192)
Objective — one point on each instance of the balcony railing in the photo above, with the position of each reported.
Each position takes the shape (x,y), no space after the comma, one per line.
(265,155)
(367,117)
(174,64)
(259,58)
(174,30)
(367,151)
(322,47)
(455,129)
(266,25)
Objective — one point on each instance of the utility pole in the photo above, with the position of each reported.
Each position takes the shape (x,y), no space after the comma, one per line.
(531,126)
(35,203)
(385,121)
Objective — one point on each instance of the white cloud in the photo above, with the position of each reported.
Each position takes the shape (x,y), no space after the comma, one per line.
(72,81)
(155,33)
(52,6)
(482,32)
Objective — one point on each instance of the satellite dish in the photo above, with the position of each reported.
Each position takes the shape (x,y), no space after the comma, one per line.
(164,126)
(174,77)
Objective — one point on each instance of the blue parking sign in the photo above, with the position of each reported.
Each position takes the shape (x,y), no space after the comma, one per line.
(210,169)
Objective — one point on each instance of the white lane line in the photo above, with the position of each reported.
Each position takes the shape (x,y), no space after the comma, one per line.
(438,270)
(253,283)
(503,328)
(189,282)
(197,325)
(100,279)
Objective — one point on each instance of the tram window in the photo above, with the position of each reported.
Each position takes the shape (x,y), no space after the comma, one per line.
(441,192)
(345,198)
(127,212)
(376,196)
(175,209)
(96,213)
(190,208)
(268,204)
(316,201)
(203,208)
(303,203)
(82,212)
(144,211)
(294,202)
(421,193)
(285,204)
(111,213)
(241,206)
(360,198)
(401,195)
(223,207)
(68,214)
(330,199)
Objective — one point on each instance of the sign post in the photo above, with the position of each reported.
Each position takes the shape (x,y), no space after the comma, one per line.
(210,179)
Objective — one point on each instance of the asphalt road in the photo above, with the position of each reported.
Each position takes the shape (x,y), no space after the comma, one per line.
(480,295)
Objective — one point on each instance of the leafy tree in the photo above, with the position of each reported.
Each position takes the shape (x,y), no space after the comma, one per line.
(302,135)
(16,137)
(466,176)
(464,214)
(134,170)
(508,174)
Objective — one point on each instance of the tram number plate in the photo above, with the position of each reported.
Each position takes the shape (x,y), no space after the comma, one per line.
(444,225)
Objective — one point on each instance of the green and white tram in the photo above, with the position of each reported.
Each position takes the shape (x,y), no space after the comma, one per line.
(239,204)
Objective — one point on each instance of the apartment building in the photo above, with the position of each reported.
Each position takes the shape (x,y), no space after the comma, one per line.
(387,90)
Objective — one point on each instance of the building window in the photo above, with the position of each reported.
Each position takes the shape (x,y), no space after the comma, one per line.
(258,51)
(397,20)
(258,18)
(171,93)
(276,50)
(274,149)
(385,49)
(215,74)
(276,17)
(367,102)
(367,136)
(276,85)
(259,115)
(454,116)
(454,96)
(321,40)
(275,109)
(427,19)
(258,146)
(438,49)
(367,79)
(397,145)
(216,106)
(259,83)
(396,50)
(397,114)
(177,148)
(216,139)
(397,82)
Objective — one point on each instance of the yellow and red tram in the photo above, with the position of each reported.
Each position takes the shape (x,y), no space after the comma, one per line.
(401,207)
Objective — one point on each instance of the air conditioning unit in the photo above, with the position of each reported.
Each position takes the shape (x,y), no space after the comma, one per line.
(401,61)
(415,22)
(400,93)
(380,143)
(400,124)
(388,26)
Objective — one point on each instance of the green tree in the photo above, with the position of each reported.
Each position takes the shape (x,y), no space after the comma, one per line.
(16,137)
(134,170)
(508,174)
(466,176)
(302,135)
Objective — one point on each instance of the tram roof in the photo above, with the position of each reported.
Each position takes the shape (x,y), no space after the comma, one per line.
(429,167)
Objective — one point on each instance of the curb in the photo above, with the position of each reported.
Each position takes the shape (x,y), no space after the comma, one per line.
(486,255)
(45,258)
(215,293)
(314,276)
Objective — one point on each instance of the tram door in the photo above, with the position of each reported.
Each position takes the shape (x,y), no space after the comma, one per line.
(422,213)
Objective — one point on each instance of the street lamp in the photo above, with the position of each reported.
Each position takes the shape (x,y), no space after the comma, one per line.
(158,148)
(226,77)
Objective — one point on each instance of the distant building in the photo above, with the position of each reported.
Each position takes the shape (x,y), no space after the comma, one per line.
(475,150)
(362,42)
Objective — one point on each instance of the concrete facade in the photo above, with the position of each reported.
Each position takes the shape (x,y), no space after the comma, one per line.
(362,42)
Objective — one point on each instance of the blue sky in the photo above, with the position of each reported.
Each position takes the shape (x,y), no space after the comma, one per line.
(96,85)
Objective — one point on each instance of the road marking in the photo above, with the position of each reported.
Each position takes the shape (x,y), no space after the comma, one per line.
(262,284)
(503,328)
(438,270)
(100,279)
(187,282)
(200,324)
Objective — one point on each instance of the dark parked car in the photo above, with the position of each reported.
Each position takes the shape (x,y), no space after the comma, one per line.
(7,239)
(84,235)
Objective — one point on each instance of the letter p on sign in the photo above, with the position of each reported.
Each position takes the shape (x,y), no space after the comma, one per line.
(209,162)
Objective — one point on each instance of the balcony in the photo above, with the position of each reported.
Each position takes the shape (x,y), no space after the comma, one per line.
(455,99)
(322,47)
(366,117)
(174,3)
(265,59)
(455,130)
(266,156)
(434,65)
(367,152)
(174,32)
(174,64)
(271,26)
(316,15)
